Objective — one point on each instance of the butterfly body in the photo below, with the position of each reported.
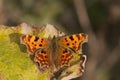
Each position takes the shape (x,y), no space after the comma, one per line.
(53,52)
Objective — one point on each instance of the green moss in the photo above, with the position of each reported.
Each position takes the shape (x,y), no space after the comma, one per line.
(15,63)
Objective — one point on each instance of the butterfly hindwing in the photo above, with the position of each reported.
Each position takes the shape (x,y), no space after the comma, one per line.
(41,57)
(65,56)
(33,42)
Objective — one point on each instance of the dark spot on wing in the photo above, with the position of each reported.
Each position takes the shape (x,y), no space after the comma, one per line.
(66,39)
(46,57)
(42,51)
(41,40)
(65,51)
(36,38)
(40,45)
(67,44)
(71,37)
(63,56)
(32,43)
(29,38)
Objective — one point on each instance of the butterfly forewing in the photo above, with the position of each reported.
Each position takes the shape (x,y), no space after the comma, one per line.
(33,42)
(73,41)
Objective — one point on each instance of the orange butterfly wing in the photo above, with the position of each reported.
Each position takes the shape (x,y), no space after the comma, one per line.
(69,45)
(42,58)
(33,42)
(37,47)
(64,58)
(73,41)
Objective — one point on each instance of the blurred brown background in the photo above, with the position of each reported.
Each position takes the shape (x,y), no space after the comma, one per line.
(99,18)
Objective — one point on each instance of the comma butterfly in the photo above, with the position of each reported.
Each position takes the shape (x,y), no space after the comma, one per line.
(54,52)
